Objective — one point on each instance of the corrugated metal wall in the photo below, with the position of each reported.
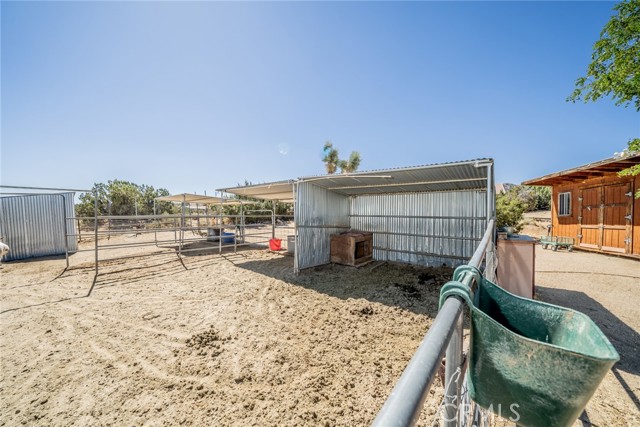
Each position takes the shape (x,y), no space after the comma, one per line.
(319,213)
(33,225)
(422,228)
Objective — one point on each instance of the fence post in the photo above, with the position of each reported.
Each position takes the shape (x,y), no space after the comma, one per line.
(453,378)
(65,229)
(273,219)
(95,213)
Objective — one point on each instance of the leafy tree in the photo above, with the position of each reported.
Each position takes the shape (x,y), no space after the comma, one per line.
(509,210)
(633,146)
(615,67)
(332,160)
(534,198)
(123,198)
(543,198)
(86,207)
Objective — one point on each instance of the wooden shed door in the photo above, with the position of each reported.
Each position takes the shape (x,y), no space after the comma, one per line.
(617,205)
(589,220)
(603,219)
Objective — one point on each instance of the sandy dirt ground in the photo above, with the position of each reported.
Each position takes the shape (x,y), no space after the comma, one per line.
(231,340)
(238,339)
(607,289)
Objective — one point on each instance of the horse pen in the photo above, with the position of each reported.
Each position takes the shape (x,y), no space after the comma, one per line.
(250,344)
(167,320)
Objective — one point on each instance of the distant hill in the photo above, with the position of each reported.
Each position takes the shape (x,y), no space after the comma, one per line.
(504,187)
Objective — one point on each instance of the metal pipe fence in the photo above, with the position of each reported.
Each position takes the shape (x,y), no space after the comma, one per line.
(444,337)
(191,233)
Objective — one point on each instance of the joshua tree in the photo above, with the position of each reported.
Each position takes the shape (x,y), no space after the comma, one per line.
(351,165)
(332,161)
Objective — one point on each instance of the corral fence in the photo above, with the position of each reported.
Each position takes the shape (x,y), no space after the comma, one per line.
(184,233)
(443,339)
(178,233)
(48,214)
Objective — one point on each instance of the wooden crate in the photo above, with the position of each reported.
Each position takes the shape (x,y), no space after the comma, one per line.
(352,247)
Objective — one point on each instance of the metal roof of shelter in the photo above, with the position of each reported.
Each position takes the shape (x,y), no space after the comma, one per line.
(591,170)
(465,175)
(196,198)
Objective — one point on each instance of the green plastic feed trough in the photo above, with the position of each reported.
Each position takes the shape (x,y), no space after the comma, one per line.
(534,363)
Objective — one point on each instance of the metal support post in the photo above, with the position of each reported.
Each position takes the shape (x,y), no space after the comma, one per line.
(273,219)
(64,226)
(182,227)
(95,213)
(403,406)
(453,377)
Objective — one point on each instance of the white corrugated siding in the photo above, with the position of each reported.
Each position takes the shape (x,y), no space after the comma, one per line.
(422,228)
(319,213)
(33,225)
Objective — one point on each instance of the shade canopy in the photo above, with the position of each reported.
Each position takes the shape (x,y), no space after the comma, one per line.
(196,198)
(279,190)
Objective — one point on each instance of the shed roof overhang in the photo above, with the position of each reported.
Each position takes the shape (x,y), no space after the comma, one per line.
(592,170)
(466,175)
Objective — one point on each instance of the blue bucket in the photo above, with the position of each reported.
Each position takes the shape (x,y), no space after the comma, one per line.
(230,239)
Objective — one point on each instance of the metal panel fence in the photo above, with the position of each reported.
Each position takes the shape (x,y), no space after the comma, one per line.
(422,228)
(319,213)
(36,225)
(404,404)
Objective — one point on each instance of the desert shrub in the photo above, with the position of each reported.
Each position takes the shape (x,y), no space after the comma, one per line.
(534,198)
(510,209)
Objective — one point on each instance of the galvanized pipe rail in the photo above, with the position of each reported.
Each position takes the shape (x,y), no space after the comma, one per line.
(404,404)
(154,221)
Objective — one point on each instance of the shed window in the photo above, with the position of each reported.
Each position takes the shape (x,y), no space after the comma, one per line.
(564,204)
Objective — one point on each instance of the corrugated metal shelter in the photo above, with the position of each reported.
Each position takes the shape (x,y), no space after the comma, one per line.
(35,225)
(426,215)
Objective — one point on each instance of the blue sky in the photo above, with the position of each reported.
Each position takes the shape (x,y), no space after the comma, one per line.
(194,96)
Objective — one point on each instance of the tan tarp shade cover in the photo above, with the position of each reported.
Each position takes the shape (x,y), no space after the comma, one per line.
(196,198)
(280,190)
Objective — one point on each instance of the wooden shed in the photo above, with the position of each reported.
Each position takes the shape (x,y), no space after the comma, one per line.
(595,206)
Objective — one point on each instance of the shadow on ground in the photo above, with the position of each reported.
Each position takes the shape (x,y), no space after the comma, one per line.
(624,338)
(412,288)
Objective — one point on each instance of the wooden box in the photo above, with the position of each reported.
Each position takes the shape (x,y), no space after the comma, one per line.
(352,247)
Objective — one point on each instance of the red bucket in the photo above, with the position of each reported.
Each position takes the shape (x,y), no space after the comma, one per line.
(275,244)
